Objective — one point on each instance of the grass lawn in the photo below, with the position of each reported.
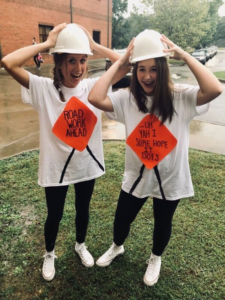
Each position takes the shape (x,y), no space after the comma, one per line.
(220,75)
(192,265)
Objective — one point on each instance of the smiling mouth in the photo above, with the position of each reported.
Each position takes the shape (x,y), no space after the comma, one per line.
(76,76)
(149,84)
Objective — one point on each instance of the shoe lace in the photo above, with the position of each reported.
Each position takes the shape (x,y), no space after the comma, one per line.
(82,249)
(151,265)
(111,251)
(49,261)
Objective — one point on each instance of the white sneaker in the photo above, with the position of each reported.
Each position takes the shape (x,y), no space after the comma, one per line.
(48,269)
(109,255)
(153,270)
(85,256)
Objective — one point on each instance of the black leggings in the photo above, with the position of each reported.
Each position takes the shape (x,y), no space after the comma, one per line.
(55,198)
(127,209)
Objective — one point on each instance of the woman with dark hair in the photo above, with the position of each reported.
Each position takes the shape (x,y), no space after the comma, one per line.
(70,129)
(156,114)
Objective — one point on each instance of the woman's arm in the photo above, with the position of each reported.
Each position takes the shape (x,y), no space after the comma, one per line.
(106,52)
(14,61)
(98,95)
(210,87)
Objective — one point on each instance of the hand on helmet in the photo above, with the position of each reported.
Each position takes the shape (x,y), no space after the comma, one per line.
(53,34)
(91,41)
(178,53)
(124,60)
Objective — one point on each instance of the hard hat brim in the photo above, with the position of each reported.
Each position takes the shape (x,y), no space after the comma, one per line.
(140,58)
(71,51)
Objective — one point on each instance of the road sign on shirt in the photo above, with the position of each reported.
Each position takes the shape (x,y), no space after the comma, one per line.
(151,141)
(75,124)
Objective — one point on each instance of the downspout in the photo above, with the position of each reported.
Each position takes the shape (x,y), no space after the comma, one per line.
(71,11)
(108,27)
(0,51)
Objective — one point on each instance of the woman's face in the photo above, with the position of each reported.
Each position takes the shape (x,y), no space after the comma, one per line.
(147,75)
(73,68)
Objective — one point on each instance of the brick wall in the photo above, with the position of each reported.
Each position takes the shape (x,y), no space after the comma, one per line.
(19,20)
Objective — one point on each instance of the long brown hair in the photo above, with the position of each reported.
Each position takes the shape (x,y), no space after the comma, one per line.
(162,104)
(57,73)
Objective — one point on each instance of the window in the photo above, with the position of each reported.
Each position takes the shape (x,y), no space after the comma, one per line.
(96,36)
(44,32)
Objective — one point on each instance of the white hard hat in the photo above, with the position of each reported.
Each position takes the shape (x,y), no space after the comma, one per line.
(72,39)
(147,45)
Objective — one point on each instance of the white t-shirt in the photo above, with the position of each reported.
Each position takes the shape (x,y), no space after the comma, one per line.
(174,168)
(58,164)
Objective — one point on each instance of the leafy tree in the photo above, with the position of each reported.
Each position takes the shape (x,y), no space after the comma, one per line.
(119,26)
(139,20)
(135,24)
(219,36)
(124,29)
(188,23)
(212,19)
(220,31)
(181,20)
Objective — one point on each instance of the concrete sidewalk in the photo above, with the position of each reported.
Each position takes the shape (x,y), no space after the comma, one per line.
(19,128)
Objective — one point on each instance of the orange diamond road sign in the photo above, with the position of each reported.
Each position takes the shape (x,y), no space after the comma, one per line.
(75,124)
(151,141)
